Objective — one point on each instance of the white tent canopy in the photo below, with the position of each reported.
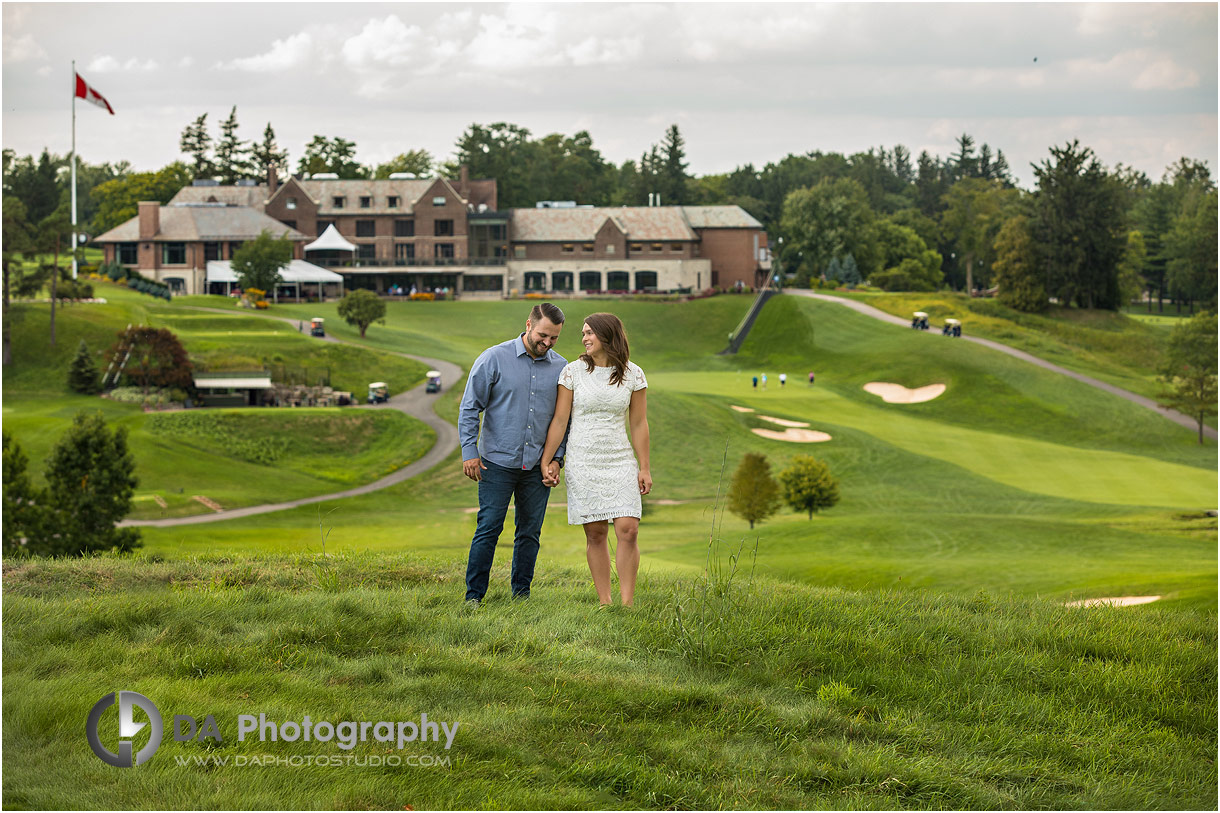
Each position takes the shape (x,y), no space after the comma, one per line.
(297,271)
(330,240)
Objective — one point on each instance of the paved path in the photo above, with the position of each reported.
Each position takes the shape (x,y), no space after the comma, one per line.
(1148,403)
(416,403)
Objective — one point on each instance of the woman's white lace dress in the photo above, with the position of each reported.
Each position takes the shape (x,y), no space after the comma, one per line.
(600,465)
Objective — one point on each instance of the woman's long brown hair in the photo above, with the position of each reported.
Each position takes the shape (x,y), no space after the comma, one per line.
(610,332)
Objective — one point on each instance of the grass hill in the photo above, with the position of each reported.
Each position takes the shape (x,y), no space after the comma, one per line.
(907,648)
(1014,468)
(1125,349)
(234,458)
(728,693)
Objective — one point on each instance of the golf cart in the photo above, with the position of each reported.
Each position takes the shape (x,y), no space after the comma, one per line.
(379,392)
(920,322)
(953,327)
(315,327)
(434,381)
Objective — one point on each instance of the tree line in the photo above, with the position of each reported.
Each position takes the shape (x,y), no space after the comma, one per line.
(1086,235)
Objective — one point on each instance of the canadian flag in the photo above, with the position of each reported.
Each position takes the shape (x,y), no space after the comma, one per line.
(83,91)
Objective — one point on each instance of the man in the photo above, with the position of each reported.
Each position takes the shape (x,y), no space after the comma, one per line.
(513,386)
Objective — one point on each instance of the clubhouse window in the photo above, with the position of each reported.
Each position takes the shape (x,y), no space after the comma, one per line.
(173,253)
(366,228)
(129,253)
(404,228)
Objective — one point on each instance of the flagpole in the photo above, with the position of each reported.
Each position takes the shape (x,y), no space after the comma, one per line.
(73,169)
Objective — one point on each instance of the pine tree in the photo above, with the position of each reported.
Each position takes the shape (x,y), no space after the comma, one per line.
(673,168)
(851,272)
(197,143)
(82,374)
(267,153)
(24,505)
(753,494)
(232,154)
(90,481)
(808,486)
(834,270)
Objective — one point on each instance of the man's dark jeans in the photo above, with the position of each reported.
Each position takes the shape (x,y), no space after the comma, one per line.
(498,485)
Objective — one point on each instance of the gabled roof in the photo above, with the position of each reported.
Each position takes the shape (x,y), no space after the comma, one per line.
(720,217)
(408,192)
(191,223)
(252,196)
(637,223)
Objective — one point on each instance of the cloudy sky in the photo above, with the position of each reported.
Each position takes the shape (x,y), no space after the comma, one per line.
(746,83)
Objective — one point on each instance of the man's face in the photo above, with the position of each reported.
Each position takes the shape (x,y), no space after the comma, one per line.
(541,336)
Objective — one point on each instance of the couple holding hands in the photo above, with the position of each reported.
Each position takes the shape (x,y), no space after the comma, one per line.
(526,394)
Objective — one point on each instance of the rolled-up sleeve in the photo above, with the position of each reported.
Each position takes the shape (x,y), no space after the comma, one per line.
(474,402)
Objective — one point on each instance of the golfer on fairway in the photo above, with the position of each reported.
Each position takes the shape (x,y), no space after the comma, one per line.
(513,386)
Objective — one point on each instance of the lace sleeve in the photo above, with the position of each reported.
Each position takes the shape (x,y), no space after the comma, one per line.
(565,377)
(640,381)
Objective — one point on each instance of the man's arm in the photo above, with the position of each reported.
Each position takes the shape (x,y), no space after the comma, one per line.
(474,401)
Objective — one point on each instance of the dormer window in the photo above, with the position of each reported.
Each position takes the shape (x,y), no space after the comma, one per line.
(392,202)
(366,201)
(338,201)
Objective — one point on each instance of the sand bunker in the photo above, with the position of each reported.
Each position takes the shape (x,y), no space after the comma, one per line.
(1118,601)
(898,394)
(793,435)
(781,421)
(741,409)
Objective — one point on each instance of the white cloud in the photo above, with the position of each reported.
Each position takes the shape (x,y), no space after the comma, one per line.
(186,62)
(108,64)
(381,43)
(1141,69)
(1165,74)
(22,48)
(287,54)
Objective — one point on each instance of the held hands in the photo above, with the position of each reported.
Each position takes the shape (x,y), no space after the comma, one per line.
(550,474)
(645,481)
(474,468)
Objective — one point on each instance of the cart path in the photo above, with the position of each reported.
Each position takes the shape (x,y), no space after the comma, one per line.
(415,402)
(868,310)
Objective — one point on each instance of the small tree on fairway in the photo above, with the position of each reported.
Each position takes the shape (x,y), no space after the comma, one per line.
(90,481)
(753,494)
(1190,368)
(82,374)
(258,262)
(22,517)
(361,308)
(808,486)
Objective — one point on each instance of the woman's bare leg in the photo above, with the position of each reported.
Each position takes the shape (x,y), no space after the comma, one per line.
(627,557)
(597,552)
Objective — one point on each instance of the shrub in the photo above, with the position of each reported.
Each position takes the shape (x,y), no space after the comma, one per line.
(753,493)
(82,373)
(808,486)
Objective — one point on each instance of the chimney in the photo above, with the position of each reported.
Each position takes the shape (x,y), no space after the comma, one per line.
(464,182)
(150,219)
(273,180)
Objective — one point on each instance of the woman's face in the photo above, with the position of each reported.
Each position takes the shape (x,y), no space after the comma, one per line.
(593,345)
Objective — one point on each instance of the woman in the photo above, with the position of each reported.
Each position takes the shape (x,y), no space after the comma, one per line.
(605,480)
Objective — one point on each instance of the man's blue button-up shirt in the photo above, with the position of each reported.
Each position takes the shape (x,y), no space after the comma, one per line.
(515,393)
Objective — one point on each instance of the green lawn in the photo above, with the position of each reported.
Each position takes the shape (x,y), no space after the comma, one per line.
(745,693)
(975,489)
(255,456)
(908,648)
(1125,349)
